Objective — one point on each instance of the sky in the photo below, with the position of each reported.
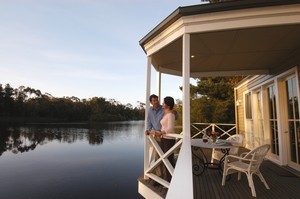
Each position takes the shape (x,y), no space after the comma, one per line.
(82,48)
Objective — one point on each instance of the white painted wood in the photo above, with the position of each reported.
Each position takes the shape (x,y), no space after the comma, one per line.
(158,75)
(186,85)
(243,18)
(182,181)
(163,157)
(166,37)
(148,87)
(218,21)
(159,180)
(279,118)
(147,193)
(181,185)
(228,73)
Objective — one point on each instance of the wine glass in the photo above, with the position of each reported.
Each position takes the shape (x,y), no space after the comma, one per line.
(205,137)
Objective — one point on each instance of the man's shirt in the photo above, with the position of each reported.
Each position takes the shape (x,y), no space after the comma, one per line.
(154,117)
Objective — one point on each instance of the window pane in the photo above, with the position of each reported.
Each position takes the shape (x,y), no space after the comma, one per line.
(272,103)
(289,98)
(273,121)
(248,106)
(295,97)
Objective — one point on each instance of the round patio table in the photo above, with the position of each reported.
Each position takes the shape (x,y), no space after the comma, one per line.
(202,164)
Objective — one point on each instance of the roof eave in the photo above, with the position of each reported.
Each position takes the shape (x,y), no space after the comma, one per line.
(210,8)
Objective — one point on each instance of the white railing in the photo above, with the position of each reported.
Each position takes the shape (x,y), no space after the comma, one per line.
(225,130)
(163,158)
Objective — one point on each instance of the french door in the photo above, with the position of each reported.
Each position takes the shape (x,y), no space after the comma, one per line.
(293,121)
(273,123)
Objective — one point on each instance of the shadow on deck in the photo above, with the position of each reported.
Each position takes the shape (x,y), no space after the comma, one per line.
(283,183)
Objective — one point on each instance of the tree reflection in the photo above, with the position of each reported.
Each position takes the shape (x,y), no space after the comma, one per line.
(25,139)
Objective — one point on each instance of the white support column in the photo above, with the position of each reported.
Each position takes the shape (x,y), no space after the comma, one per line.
(182,181)
(186,86)
(146,142)
(158,84)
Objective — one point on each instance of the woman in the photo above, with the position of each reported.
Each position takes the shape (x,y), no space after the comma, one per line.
(167,127)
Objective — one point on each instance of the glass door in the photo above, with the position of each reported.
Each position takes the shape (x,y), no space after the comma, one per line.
(293,120)
(273,126)
(259,122)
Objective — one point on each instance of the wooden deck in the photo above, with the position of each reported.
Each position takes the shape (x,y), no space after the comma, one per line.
(283,183)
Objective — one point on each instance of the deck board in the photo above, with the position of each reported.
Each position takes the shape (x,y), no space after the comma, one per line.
(282,182)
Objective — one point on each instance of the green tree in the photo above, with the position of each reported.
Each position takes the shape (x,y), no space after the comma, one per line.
(28,104)
(215,96)
(8,101)
(212,100)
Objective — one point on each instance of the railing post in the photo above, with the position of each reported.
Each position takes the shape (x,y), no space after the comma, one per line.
(146,142)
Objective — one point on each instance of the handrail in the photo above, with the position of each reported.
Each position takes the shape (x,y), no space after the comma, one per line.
(214,127)
(163,157)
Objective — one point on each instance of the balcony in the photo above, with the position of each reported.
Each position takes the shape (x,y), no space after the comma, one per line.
(283,182)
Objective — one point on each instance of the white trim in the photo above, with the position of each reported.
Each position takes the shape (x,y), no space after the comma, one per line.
(279,120)
(228,73)
(262,83)
(258,133)
(218,21)
(246,82)
(265,79)
(170,34)
(241,19)
(183,176)
(148,88)
(248,129)
(146,192)
(158,84)
(285,130)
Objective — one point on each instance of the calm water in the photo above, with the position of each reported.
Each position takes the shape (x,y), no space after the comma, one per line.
(71,161)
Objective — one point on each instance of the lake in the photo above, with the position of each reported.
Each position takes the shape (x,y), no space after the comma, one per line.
(70,161)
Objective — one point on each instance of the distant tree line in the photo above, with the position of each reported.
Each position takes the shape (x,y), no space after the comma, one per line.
(26,104)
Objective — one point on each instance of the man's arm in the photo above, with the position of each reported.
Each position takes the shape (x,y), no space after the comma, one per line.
(149,125)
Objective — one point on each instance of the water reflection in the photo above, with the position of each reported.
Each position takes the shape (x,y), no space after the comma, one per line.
(71,161)
(26,138)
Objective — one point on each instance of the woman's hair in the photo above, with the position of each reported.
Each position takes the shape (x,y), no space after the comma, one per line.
(169,101)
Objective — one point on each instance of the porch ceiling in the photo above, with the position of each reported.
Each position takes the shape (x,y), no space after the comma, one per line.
(261,50)
(232,38)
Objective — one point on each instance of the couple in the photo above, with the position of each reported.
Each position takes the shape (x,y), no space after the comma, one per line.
(160,123)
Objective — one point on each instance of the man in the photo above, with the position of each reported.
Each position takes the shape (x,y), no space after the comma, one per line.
(155,114)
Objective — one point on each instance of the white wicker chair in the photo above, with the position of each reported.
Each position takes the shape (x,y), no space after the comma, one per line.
(247,163)
(236,140)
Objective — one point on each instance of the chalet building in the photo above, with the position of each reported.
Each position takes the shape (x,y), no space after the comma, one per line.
(259,39)
(267,111)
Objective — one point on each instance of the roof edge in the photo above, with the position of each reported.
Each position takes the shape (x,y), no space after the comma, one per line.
(210,8)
